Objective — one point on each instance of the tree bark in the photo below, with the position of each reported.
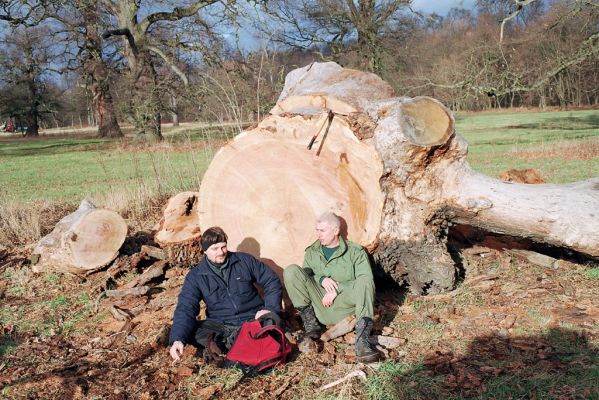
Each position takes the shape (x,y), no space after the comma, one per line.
(83,241)
(393,168)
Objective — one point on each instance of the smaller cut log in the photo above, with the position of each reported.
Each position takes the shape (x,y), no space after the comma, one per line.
(180,232)
(84,241)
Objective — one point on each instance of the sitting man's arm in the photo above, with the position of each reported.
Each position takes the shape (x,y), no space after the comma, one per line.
(184,319)
(271,284)
(362,269)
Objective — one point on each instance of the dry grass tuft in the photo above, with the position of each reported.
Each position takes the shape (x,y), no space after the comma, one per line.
(140,206)
(580,150)
(26,223)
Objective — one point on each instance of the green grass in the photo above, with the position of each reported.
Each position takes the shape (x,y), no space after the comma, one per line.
(592,273)
(70,168)
(502,141)
(57,315)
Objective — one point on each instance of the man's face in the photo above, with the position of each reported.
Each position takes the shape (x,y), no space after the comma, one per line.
(217,253)
(327,234)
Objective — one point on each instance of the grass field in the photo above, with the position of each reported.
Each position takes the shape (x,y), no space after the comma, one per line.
(562,146)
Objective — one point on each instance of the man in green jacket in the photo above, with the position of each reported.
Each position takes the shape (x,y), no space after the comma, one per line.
(334,282)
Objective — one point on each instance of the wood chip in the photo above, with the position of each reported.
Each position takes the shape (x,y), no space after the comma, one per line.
(342,327)
(387,342)
(136,291)
(357,373)
(154,252)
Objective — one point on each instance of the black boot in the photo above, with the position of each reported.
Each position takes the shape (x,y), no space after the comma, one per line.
(312,328)
(365,352)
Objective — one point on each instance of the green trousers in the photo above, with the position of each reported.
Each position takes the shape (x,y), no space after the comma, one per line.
(303,290)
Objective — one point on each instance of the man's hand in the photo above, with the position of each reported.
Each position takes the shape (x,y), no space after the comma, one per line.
(328,298)
(261,313)
(330,285)
(177,350)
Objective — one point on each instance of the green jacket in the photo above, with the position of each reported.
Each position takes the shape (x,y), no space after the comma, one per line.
(349,262)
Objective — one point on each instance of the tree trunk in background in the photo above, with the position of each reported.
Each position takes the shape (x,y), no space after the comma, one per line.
(98,73)
(174,110)
(146,105)
(108,125)
(32,117)
(393,168)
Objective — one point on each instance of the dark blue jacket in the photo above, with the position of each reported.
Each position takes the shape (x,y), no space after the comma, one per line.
(233,304)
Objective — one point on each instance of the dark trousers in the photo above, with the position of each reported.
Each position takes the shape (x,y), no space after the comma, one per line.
(223,335)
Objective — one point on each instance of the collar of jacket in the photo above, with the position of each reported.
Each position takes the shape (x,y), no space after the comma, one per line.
(204,268)
(338,253)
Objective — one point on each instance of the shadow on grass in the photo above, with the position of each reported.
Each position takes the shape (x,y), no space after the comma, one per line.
(7,344)
(563,123)
(78,376)
(56,146)
(560,364)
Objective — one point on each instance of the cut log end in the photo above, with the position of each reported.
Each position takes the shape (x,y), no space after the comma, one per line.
(95,241)
(82,241)
(426,122)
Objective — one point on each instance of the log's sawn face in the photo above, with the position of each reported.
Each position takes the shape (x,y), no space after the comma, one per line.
(265,188)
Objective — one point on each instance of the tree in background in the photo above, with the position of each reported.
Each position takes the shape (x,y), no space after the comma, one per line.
(140,49)
(339,26)
(27,59)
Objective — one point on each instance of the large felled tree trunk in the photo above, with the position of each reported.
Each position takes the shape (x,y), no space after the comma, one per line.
(81,242)
(393,168)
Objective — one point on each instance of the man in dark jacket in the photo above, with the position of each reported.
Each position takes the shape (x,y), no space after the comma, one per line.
(225,282)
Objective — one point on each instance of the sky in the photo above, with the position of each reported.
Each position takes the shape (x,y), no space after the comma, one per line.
(440,7)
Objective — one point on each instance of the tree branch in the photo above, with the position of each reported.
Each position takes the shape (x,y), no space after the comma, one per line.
(175,15)
(520,4)
(172,65)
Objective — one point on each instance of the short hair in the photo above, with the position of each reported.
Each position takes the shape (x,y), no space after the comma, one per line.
(212,236)
(331,218)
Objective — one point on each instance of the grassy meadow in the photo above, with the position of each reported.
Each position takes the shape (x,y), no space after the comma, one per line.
(563,146)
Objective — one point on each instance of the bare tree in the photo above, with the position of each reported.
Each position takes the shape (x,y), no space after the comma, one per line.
(27,59)
(139,48)
(339,25)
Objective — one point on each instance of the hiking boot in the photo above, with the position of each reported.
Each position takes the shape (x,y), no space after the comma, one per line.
(365,352)
(312,328)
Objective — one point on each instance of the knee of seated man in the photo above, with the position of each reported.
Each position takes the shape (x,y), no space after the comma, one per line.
(291,272)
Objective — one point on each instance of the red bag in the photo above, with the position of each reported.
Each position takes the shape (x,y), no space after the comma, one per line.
(257,349)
